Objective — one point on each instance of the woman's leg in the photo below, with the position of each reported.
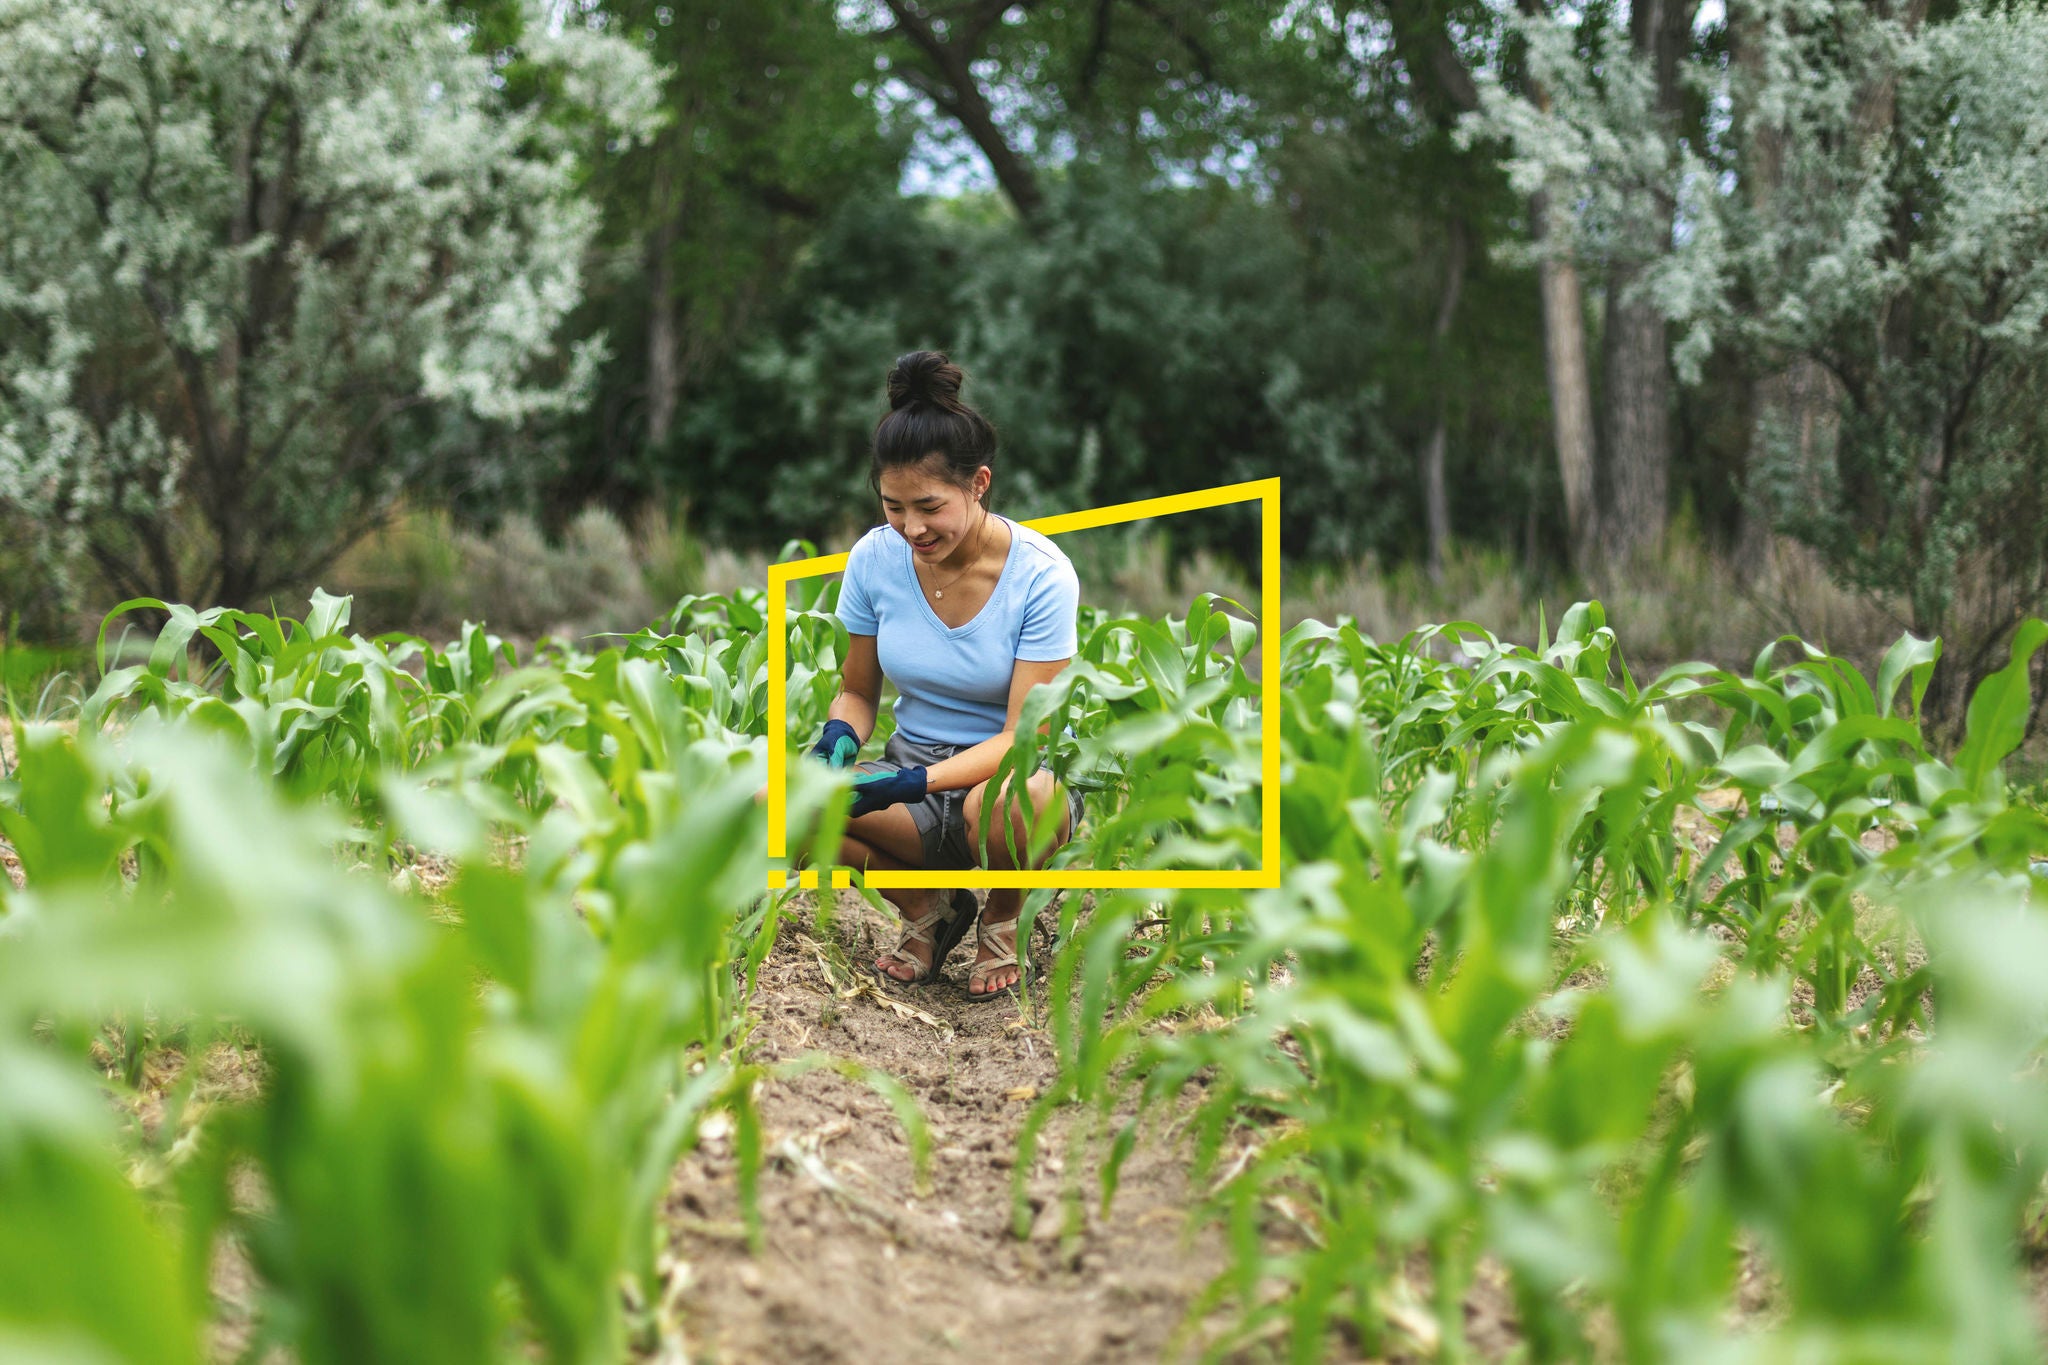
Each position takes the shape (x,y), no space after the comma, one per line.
(1006,902)
(887,841)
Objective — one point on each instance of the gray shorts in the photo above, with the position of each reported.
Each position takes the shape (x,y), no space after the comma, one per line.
(941,818)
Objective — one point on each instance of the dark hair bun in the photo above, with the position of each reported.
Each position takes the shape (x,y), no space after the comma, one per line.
(926,419)
(925,377)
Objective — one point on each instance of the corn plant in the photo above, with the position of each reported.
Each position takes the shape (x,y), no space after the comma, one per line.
(1600,981)
(1500,1009)
(444,1172)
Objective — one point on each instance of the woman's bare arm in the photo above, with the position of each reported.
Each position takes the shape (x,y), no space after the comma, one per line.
(860,687)
(971,767)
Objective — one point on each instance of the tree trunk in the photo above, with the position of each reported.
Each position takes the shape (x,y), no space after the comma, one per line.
(1444,90)
(664,377)
(1436,500)
(1565,370)
(950,83)
(1794,407)
(1637,404)
(1570,383)
(1635,360)
(1762,145)
(1792,427)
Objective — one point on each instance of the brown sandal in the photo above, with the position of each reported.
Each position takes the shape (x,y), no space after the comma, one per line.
(952,920)
(1002,936)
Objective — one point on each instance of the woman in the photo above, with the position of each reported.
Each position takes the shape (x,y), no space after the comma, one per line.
(965,612)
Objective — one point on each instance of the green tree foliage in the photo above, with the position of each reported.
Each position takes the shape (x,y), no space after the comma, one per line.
(248,249)
(1374,93)
(269,266)
(769,126)
(1126,344)
(1034,84)
(1193,295)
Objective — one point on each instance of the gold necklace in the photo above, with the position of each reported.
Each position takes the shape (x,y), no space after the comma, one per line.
(939,594)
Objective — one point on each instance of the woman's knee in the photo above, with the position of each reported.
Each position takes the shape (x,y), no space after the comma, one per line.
(891,834)
(1047,799)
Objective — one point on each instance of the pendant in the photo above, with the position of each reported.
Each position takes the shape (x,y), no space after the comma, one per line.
(939,593)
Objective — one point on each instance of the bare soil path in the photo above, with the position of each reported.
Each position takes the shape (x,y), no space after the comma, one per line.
(858,1266)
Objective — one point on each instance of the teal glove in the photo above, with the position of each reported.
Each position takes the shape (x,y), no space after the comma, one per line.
(838,746)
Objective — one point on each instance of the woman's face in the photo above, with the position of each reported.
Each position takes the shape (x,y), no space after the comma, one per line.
(936,515)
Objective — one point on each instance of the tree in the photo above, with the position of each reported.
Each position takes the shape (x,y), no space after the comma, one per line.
(947,46)
(1594,136)
(1444,88)
(1176,308)
(1635,365)
(1868,238)
(1031,83)
(769,127)
(1566,372)
(772,127)
(1396,76)
(1903,250)
(249,249)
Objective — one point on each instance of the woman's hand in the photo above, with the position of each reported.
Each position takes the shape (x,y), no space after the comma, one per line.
(878,791)
(838,746)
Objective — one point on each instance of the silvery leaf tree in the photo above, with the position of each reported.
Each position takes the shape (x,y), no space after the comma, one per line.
(248,248)
(1897,239)
(1864,226)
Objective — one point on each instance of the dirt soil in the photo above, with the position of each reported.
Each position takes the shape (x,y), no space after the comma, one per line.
(857,1265)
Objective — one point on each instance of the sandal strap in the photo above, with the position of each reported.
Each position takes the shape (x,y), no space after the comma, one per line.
(921,927)
(993,934)
(919,930)
(897,954)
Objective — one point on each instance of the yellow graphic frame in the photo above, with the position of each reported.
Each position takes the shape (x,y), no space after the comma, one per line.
(1266,492)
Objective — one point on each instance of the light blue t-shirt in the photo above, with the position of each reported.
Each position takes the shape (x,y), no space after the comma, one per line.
(954,682)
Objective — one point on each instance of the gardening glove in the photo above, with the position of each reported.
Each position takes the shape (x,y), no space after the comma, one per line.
(838,745)
(875,791)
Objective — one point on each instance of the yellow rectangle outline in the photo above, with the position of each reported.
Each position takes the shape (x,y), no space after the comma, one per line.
(1266,492)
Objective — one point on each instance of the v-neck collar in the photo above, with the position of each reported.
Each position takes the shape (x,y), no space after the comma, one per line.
(1002,582)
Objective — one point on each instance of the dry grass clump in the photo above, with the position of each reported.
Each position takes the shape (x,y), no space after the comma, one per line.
(1688,602)
(420,572)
